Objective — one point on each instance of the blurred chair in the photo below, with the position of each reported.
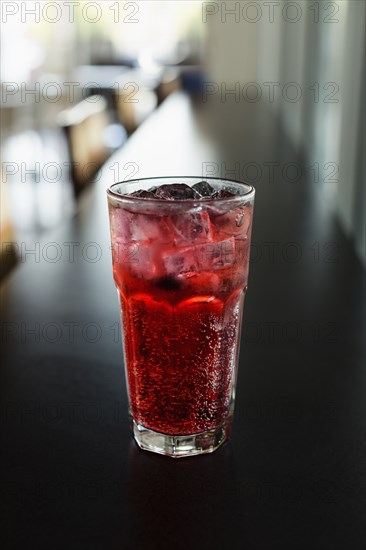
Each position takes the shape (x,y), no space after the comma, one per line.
(85,126)
(136,96)
(8,254)
(134,104)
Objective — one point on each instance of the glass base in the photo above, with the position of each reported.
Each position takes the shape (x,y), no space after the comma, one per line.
(179,446)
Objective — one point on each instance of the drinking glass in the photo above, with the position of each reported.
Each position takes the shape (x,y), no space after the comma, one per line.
(181,272)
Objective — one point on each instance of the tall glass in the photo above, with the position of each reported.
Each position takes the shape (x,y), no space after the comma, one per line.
(181,271)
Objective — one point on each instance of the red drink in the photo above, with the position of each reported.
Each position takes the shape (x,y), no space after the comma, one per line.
(181,270)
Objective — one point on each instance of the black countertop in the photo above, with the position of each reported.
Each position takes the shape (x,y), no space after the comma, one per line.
(292,474)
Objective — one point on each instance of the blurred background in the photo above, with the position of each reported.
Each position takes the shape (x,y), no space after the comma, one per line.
(78,79)
(268,92)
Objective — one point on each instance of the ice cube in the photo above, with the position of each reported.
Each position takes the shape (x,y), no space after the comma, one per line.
(154,228)
(125,254)
(129,226)
(143,194)
(191,228)
(203,188)
(121,227)
(203,257)
(176,191)
(242,249)
(177,261)
(201,282)
(222,194)
(235,222)
(216,255)
(142,260)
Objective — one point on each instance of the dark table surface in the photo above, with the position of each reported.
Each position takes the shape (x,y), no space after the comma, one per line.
(292,474)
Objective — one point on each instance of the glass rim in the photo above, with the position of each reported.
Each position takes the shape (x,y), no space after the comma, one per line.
(248,195)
